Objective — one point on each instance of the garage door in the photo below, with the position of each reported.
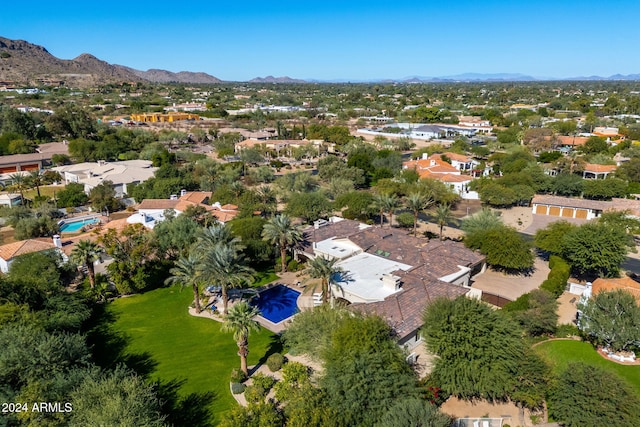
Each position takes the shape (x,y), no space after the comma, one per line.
(554,211)
(581,213)
(567,212)
(541,209)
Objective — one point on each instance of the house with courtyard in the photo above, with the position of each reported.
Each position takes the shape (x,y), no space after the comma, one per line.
(389,273)
(152,211)
(435,167)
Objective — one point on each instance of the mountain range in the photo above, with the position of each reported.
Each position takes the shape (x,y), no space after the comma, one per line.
(22,62)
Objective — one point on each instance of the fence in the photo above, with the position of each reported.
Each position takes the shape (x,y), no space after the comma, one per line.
(494,299)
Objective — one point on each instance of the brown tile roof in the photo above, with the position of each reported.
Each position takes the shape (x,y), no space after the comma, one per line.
(158,204)
(339,230)
(592,167)
(197,196)
(570,202)
(403,310)
(15,249)
(572,140)
(625,283)
(458,157)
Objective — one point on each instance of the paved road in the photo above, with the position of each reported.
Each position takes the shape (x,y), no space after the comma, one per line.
(632,264)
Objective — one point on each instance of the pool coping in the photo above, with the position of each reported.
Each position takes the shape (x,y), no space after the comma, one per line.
(281,325)
(78,219)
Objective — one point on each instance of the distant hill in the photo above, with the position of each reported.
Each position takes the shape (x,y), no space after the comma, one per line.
(164,76)
(24,62)
(271,79)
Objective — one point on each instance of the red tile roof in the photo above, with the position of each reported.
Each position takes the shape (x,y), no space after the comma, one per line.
(15,249)
(625,283)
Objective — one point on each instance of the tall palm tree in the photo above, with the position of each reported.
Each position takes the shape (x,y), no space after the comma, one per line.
(417,202)
(268,200)
(19,183)
(223,265)
(86,253)
(34,180)
(443,215)
(186,272)
(391,203)
(324,269)
(240,321)
(281,232)
(217,234)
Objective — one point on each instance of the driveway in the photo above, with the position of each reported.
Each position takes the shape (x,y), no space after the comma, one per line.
(512,286)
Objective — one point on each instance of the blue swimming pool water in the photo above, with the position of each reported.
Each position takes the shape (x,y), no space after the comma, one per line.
(277,304)
(72,227)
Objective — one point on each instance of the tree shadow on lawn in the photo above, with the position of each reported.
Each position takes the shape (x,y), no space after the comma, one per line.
(192,410)
(275,346)
(109,346)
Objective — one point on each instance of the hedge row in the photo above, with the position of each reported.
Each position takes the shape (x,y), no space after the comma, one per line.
(557,279)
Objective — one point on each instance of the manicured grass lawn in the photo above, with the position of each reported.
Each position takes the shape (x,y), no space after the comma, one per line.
(264,277)
(154,334)
(560,353)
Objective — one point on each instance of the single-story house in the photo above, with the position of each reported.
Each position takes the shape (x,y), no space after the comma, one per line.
(568,207)
(389,273)
(593,171)
(121,174)
(11,251)
(152,211)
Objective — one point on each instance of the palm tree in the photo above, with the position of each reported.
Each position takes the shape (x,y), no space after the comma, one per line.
(281,232)
(86,253)
(443,215)
(186,272)
(417,202)
(223,265)
(391,203)
(217,234)
(268,199)
(19,183)
(240,322)
(34,180)
(379,205)
(324,269)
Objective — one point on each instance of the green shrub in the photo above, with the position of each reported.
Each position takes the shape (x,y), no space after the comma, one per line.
(566,331)
(275,362)
(263,381)
(237,376)
(293,265)
(556,281)
(254,394)
(237,388)
(521,304)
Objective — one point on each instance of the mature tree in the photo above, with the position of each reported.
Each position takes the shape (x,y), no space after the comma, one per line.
(378,203)
(551,238)
(240,322)
(595,249)
(35,179)
(223,265)
(71,195)
(310,332)
(268,200)
(365,371)
(587,395)
(414,412)
(217,234)
(605,189)
(175,235)
(186,272)
(85,253)
(118,397)
(466,334)
(71,121)
(630,170)
(309,206)
(358,204)
(567,184)
(281,232)
(495,194)
(594,144)
(535,311)
(103,197)
(324,269)
(611,319)
(417,203)
(503,246)
(442,216)
(20,184)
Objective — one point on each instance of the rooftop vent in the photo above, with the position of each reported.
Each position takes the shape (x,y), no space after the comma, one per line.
(320,223)
(391,281)
(173,197)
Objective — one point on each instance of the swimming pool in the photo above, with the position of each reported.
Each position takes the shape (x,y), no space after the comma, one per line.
(277,304)
(72,226)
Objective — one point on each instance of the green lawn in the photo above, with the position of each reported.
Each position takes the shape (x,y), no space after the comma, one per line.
(154,334)
(560,353)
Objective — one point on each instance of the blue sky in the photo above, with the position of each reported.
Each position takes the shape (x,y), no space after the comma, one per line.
(327,40)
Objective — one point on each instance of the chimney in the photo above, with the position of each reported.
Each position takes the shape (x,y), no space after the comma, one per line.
(57,242)
(183,192)
(390,282)
(173,197)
